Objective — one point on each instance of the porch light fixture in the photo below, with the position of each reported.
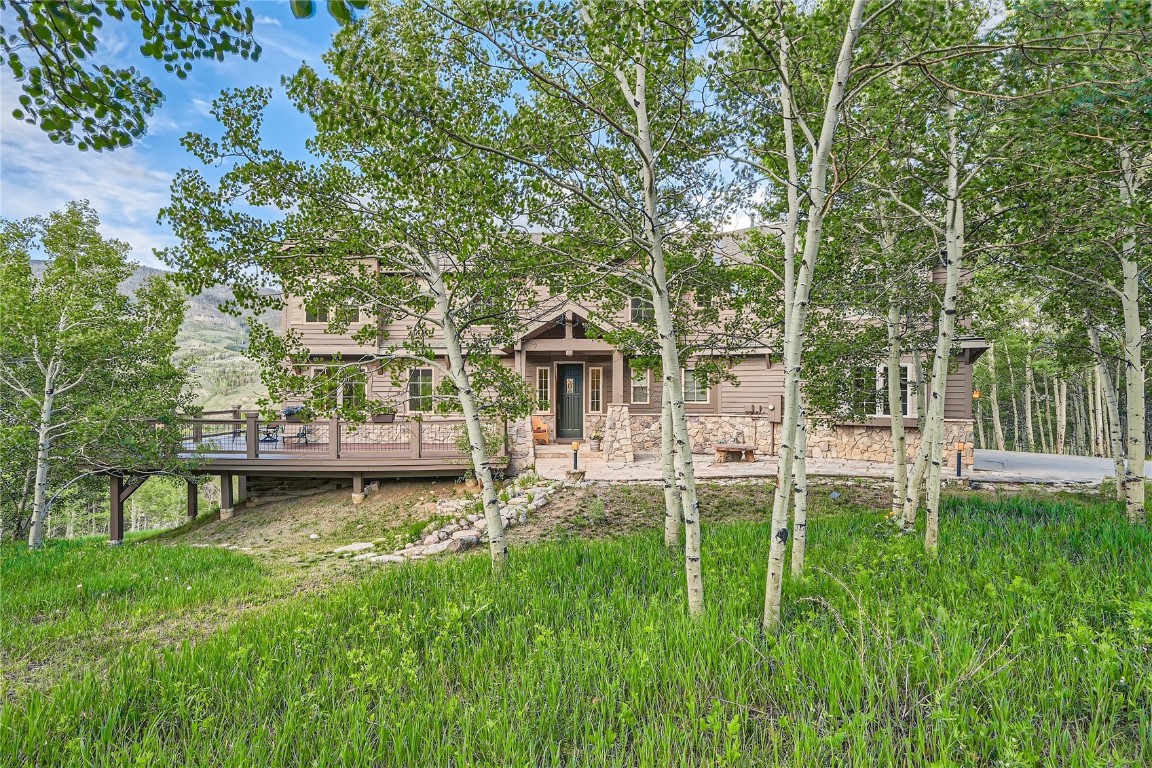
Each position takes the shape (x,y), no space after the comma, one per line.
(975,394)
(575,452)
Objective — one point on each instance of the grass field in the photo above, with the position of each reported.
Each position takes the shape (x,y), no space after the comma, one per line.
(1029,642)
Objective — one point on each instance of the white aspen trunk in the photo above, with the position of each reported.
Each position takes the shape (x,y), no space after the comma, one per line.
(1015,403)
(1029,387)
(497,546)
(915,485)
(954,239)
(981,442)
(896,411)
(43,455)
(1061,415)
(994,399)
(669,346)
(1094,416)
(70,531)
(673,514)
(1133,352)
(1049,420)
(797,320)
(1112,398)
(800,500)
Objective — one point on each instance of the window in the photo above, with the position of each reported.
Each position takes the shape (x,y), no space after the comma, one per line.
(641,311)
(352,391)
(543,389)
(351,314)
(641,385)
(695,387)
(906,402)
(595,390)
(314,314)
(419,390)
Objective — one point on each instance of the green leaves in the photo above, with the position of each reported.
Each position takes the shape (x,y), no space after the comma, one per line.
(51,47)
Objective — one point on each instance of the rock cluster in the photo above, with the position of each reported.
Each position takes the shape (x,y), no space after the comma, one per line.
(468,528)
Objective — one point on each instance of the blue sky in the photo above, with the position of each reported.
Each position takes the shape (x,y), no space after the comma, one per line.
(128,187)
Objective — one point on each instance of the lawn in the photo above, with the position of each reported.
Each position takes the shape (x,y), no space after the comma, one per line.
(1029,642)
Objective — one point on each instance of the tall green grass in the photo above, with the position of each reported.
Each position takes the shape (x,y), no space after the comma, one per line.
(85,596)
(1027,643)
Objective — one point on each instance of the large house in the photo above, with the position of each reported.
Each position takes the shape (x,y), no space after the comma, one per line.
(586,389)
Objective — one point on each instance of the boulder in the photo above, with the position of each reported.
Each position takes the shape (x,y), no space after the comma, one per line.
(432,538)
(427,508)
(359,546)
(516,501)
(468,535)
(474,518)
(365,556)
(437,548)
(388,559)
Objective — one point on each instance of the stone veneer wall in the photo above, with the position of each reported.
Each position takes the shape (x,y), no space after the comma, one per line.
(521,455)
(618,444)
(851,442)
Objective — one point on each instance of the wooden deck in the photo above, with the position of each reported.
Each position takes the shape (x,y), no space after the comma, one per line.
(235,446)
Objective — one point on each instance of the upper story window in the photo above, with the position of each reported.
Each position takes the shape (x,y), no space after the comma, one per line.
(324,314)
(695,387)
(641,386)
(640,311)
(543,389)
(420,390)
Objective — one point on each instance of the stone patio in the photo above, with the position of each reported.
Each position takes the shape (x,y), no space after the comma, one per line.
(991,467)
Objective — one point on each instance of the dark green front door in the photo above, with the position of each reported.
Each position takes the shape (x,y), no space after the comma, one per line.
(569,401)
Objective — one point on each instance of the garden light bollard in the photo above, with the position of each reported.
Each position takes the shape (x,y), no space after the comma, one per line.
(959,457)
(575,453)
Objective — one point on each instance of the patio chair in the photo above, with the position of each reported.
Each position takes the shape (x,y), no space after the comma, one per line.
(540,434)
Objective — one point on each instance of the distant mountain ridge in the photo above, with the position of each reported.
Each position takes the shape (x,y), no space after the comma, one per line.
(211,343)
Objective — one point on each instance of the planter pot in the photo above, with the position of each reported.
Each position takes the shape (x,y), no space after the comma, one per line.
(594,445)
(293,419)
(383,418)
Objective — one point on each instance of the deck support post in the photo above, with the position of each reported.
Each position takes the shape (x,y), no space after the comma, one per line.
(116,510)
(227,507)
(358,494)
(241,489)
(334,438)
(193,501)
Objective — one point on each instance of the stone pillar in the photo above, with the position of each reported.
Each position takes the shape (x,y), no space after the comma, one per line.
(227,507)
(618,435)
(241,489)
(358,494)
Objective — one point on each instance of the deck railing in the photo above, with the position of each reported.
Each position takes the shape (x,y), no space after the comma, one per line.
(247,435)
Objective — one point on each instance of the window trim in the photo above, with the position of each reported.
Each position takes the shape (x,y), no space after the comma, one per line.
(684,388)
(599,389)
(547,370)
(647,387)
(638,303)
(319,315)
(431,395)
(882,391)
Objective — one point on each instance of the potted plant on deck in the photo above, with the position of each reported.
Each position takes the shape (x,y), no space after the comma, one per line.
(384,415)
(594,441)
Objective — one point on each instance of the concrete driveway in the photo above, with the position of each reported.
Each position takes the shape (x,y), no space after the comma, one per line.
(1044,467)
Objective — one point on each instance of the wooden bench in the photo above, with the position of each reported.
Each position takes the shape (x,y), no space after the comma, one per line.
(726,452)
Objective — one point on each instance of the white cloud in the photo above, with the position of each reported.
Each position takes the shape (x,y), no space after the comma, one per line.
(37,177)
